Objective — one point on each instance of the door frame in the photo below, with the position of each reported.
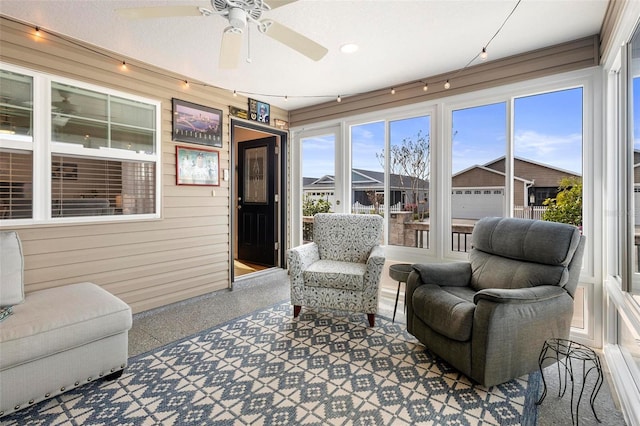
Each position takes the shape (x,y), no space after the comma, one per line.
(281,187)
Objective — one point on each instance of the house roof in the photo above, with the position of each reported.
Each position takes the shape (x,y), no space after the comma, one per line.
(491,167)
(365,179)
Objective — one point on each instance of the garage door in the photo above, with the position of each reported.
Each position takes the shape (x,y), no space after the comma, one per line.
(476,203)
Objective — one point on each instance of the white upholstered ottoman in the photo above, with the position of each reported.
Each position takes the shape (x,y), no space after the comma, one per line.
(58,339)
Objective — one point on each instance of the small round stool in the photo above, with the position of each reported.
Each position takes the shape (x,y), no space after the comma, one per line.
(400,272)
(565,352)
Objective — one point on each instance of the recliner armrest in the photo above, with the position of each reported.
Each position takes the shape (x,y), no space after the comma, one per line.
(519,295)
(455,274)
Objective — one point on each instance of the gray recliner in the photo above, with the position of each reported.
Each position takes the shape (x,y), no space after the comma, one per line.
(490,316)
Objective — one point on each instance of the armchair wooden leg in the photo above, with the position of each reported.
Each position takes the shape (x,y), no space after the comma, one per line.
(372,319)
(296,310)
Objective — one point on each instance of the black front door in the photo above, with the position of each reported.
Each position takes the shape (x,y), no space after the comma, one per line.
(256,201)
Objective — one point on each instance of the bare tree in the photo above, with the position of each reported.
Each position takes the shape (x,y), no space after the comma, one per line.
(410,160)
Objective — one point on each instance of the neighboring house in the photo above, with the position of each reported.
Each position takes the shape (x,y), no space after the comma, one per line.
(364,183)
(478,191)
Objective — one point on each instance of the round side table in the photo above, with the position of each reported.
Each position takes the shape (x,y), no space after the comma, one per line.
(400,272)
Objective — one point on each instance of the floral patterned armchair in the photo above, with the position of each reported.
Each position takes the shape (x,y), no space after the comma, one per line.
(341,268)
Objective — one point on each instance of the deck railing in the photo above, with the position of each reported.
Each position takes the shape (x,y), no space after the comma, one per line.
(417,233)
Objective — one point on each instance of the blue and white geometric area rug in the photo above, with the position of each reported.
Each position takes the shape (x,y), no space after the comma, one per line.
(266,368)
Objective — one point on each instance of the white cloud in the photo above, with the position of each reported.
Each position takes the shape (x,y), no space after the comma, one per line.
(532,143)
(562,151)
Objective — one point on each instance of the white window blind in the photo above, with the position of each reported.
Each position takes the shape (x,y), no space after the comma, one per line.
(98,187)
(16,177)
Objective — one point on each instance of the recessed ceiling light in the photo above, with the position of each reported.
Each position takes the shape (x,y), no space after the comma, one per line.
(349,48)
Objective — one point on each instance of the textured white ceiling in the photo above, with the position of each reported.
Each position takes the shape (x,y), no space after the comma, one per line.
(399,41)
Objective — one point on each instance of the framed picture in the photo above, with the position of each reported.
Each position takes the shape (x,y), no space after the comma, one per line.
(259,111)
(196,124)
(197,166)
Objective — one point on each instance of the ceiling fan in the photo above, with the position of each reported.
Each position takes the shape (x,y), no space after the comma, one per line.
(64,106)
(239,13)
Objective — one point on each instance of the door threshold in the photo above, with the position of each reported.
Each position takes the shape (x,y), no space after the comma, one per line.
(256,278)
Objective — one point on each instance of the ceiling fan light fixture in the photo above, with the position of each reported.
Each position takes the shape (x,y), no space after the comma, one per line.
(349,48)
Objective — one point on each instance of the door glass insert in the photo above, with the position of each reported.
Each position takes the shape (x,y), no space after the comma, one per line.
(255,171)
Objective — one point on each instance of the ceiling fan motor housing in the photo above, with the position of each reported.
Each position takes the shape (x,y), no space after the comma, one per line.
(237,18)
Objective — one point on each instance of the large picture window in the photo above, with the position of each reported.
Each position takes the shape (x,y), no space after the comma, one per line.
(99,151)
(634,159)
(478,169)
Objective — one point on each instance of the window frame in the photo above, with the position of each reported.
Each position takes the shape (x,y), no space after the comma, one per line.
(41,144)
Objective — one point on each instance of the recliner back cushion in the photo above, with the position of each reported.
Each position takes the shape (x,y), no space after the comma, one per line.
(346,237)
(519,253)
(491,271)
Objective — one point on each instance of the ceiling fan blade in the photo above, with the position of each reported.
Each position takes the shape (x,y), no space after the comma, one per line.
(159,12)
(230,48)
(293,39)
(274,4)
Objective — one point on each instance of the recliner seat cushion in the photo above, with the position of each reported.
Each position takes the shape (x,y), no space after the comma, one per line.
(447,310)
(336,274)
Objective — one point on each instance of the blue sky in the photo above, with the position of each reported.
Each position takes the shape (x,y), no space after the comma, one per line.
(547,129)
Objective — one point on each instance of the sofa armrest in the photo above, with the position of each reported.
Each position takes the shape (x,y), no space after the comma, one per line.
(301,257)
(519,295)
(372,274)
(376,258)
